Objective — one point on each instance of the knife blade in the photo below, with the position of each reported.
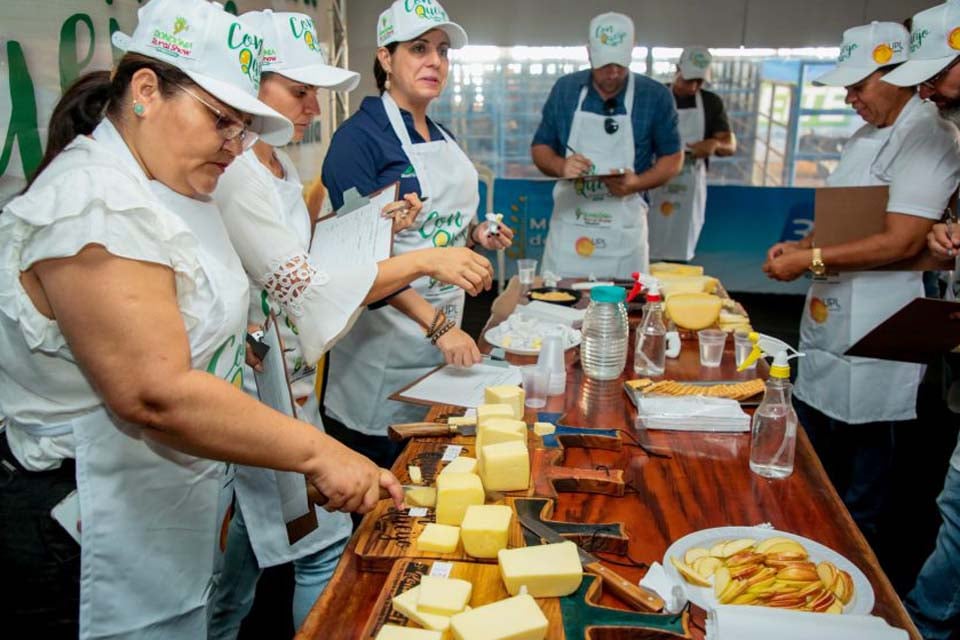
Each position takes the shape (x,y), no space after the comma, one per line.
(404,431)
(624,589)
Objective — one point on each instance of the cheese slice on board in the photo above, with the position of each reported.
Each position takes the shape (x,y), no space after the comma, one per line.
(456,492)
(421,497)
(460,464)
(485,529)
(506,394)
(505,466)
(393,632)
(547,570)
(517,618)
(487,411)
(443,596)
(406,603)
(497,430)
(438,538)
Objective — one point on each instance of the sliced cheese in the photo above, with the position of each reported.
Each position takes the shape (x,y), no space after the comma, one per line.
(460,464)
(438,538)
(517,618)
(657,269)
(443,596)
(497,430)
(456,492)
(421,497)
(406,603)
(505,466)
(671,284)
(416,476)
(487,411)
(544,428)
(393,632)
(547,570)
(486,529)
(504,394)
(693,311)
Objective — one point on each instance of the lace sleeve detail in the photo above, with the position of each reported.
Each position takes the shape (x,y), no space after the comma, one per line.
(292,282)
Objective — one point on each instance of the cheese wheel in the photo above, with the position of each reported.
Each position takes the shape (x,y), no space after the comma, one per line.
(693,311)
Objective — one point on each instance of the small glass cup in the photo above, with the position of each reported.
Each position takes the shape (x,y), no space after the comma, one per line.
(712,342)
(536,380)
(743,347)
(526,270)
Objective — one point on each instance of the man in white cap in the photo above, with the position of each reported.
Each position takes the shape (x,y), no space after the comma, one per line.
(850,406)
(603,121)
(933,602)
(678,208)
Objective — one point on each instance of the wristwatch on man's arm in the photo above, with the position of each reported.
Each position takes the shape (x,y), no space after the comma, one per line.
(817,267)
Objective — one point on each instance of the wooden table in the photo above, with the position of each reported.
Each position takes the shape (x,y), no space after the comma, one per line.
(705,483)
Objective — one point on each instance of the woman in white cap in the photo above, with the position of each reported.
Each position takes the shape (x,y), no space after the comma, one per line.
(391,138)
(850,406)
(261,200)
(122,324)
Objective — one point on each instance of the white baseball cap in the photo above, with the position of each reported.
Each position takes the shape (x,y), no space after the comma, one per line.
(406,19)
(934,43)
(611,40)
(694,63)
(292,49)
(864,50)
(215,49)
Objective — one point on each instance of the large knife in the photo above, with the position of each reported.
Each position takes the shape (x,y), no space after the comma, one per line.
(621,587)
(407,430)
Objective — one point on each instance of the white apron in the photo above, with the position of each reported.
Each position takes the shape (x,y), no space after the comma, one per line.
(257,488)
(678,208)
(386,350)
(593,232)
(842,308)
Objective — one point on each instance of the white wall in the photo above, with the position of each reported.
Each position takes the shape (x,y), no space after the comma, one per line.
(714,23)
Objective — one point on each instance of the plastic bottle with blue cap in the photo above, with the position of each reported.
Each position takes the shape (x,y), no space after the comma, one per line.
(603,352)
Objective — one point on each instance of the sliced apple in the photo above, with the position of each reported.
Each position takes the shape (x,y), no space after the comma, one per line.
(787,546)
(764,545)
(828,573)
(707,566)
(734,589)
(689,574)
(721,578)
(694,554)
(834,608)
(823,601)
(762,588)
(766,573)
(798,574)
(745,572)
(848,587)
(745,598)
(734,547)
(744,558)
(717,550)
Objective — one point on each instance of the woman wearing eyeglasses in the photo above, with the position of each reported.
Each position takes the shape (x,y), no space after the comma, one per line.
(122,326)
(603,121)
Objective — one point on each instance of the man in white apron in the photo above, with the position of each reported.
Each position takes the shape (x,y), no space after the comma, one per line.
(678,208)
(933,602)
(597,122)
(851,405)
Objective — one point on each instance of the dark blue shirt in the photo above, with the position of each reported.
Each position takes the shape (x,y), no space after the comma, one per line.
(366,153)
(654,116)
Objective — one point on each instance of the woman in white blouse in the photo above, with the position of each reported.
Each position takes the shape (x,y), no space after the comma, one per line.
(122,321)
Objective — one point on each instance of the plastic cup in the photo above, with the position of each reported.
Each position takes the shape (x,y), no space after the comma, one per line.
(742,347)
(712,342)
(551,359)
(526,270)
(535,384)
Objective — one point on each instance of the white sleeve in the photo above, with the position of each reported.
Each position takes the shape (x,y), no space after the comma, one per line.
(924,175)
(322,303)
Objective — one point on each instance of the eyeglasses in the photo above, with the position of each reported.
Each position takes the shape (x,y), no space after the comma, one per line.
(931,83)
(610,125)
(228,127)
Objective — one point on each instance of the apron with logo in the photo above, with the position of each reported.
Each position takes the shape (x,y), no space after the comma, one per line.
(386,350)
(678,208)
(593,232)
(842,308)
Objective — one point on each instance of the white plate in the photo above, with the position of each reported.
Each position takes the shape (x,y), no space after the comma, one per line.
(496,336)
(862,602)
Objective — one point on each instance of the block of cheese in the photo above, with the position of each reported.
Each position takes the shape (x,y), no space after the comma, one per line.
(394,632)
(544,428)
(462,421)
(421,497)
(547,570)
(693,311)
(416,476)
(406,603)
(456,492)
(460,464)
(497,430)
(658,269)
(674,284)
(505,394)
(505,466)
(487,411)
(438,538)
(485,529)
(443,596)
(517,618)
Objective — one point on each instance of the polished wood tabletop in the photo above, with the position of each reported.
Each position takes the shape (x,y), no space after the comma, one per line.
(705,482)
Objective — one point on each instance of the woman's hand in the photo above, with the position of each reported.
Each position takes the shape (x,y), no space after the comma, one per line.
(781,248)
(461,267)
(788,266)
(459,349)
(351,482)
(493,241)
(251,358)
(404,212)
(943,241)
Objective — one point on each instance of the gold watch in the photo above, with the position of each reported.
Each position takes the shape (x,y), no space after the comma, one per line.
(817,267)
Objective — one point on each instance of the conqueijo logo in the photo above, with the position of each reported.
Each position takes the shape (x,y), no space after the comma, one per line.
(917,38)
(250,53)
(303,29)
(847,50)
(425,9)
(608,35)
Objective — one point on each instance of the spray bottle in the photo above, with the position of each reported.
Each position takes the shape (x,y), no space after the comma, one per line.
(774,433)
(649,356)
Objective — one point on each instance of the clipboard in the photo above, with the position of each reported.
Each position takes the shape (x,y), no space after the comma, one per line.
(353,201)
(921,331)
(401,395)
(845,214)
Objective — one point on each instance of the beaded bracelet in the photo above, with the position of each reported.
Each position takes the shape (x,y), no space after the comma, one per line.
(441,331)
(438,319)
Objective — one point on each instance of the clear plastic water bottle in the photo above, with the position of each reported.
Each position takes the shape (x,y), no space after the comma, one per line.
(603,352)
(649,356)
(774,437)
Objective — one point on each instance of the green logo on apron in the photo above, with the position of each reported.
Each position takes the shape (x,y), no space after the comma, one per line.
(442,231)
(234,368)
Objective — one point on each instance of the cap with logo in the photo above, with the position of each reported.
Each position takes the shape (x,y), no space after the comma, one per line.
(611,40)
(864,50)
(215,49)
(291,48)
(934,43)
(694,63)
(407,19)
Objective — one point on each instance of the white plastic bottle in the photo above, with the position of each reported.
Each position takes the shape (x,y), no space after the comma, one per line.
(649,356)
(603,352)
(774,434)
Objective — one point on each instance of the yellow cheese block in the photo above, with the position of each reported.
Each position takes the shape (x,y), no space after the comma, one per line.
(693,311)
(547,570)
(421,497)
(673,284)
(544,428)
(439,538)
(456,492)
(406,603)
(505,466)
(487,411)
(393,632)
(517,618)
(505,394)
(443,596)
(496,430)
(462,421)
(416,476)
(485,529)
(460,464)
(658,269)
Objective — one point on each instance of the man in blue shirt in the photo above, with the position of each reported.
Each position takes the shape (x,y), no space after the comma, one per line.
(611,122)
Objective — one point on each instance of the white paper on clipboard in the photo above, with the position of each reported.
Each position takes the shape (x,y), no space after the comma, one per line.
(355,238)
(273,388)
(461,387)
